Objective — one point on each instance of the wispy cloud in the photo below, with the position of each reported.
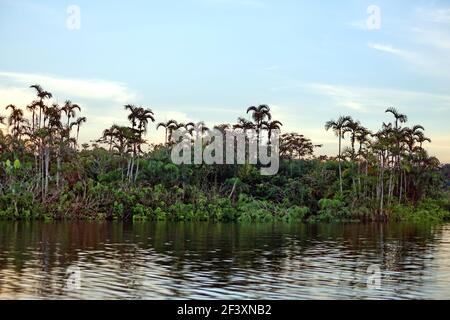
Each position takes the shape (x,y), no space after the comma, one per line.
(392,50)
(433,38)
(376,99)
(341,95)
(424,63)
(71,87)
(436,15)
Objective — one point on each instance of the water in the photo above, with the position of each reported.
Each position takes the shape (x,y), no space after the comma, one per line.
(93,260)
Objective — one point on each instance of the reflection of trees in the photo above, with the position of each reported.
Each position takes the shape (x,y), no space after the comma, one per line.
(148,256)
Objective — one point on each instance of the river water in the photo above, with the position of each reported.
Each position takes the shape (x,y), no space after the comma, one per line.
(104,260)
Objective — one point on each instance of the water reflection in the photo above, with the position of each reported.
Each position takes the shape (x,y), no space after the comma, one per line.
(199,261)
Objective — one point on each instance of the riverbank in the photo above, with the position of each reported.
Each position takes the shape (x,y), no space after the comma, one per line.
(158,204)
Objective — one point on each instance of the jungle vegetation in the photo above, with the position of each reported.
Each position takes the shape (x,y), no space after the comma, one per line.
(45,173)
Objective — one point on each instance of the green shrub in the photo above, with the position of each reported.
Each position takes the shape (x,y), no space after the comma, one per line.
(331,210)
(429,210)
(295,214)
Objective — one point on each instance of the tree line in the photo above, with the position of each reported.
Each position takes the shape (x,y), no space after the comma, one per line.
(42,158)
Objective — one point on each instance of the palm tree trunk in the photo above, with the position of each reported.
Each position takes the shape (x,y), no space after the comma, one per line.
(366,178)
(382,188)
(339,160)
(391,186)
(257,142)
(128,168)
(58,168)
(41,168)
(401,187)
(40,114)
(47,168)
(34,121)
(137,170)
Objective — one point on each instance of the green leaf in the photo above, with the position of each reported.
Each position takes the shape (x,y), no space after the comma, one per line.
(17,164)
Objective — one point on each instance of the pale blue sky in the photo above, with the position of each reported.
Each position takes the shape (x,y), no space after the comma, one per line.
(210,59)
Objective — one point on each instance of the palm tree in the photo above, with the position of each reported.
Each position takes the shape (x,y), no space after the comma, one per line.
(270,126)
(222,127)
(143,117)
(420,137)
(362,136)
(78,123)
(41,94)
(338,128)
(189,126)
(410,137)
(133,115)
(399,117)
(108,136)
(69,109)
(244,125)
(15,119)
(32,108)
(352,127)
(259,115)
(169,126)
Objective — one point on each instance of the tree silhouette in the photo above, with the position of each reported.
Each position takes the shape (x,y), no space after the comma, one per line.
(339,126)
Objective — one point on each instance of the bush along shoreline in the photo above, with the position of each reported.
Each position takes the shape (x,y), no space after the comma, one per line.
(46,173)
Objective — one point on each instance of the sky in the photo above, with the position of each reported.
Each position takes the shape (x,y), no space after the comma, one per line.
(193,60)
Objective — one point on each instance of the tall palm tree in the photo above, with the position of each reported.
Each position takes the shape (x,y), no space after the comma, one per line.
(169,126)
(244,125)
(363,137)
(69,109)
(143,117)
(32,107)
(399,117)
(270,126)
(189,126)
(421,139)
(15,119)
(41,94)
(352,127)
(222,127)
(108,136)
(78,123)
(259,115)
(338,126)
(410,137)
(133,115)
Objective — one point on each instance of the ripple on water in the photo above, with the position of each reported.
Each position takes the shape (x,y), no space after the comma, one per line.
(210,261)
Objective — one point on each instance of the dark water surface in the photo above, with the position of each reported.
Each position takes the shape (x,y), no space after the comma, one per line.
(92,260)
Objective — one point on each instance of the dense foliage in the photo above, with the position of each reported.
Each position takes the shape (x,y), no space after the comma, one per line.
(45,174)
